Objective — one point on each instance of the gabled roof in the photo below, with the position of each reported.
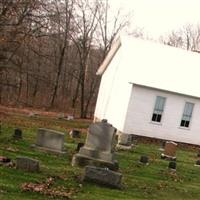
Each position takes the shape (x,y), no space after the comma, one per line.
(158,66)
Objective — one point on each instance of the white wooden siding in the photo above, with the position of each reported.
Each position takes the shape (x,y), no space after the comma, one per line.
(114,93)
(141,105)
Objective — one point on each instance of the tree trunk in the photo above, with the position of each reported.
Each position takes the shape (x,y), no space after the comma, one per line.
(58,75)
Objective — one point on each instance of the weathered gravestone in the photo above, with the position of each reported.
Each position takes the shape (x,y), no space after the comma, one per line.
(27,164)
(169,151)
(98,149)
(197,163)
(50,140)
(144,160)
(172,166)
(102,176)
(79,145)
(17,134)
(61,115)
(125,141)
(75,133)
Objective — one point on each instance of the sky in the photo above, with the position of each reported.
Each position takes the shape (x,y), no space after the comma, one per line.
(159,17)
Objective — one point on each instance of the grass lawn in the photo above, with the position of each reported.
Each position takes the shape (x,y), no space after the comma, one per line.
(140,182)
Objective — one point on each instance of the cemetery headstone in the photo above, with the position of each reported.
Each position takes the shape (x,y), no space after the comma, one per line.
(50,140)
(79,145)
(172,165)
(103,176)
(17,134)
(197,163)
(75,133)
(61,115)
(70,117)
(125,141)
(169,151)
(27,164)
(144,160)
(98,149)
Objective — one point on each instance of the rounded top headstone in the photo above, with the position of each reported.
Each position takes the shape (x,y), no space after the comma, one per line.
(104,121)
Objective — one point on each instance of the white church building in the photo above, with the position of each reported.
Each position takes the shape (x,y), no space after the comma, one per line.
(150,89)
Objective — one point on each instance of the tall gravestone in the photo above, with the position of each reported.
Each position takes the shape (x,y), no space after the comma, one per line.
(50,140)
(98,148)
(169,151)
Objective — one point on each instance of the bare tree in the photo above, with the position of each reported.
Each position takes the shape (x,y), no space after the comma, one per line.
(85,23)
(50,51)
(63,18)
(109,26)
(188,37)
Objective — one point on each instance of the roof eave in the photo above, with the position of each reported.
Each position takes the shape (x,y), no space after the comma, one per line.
(165,90)
(114,48)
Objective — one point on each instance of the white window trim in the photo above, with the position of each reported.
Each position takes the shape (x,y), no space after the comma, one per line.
(190,124)
(154,122)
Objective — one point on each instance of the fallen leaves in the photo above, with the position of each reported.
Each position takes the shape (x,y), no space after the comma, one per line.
(47,189)
(172,176)
(12,149)
(161,185)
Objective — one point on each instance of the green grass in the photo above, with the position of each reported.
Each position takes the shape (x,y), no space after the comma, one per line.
(140,182)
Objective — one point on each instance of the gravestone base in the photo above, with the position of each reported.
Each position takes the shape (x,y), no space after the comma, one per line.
(49,150)
(82,161)
(161,149)
(103,176)
(124,147)
(167,157)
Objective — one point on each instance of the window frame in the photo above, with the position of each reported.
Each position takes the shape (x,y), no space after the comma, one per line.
(157,112)
(183,115)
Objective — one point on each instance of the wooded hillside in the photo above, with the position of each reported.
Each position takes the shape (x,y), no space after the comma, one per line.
(50,51)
